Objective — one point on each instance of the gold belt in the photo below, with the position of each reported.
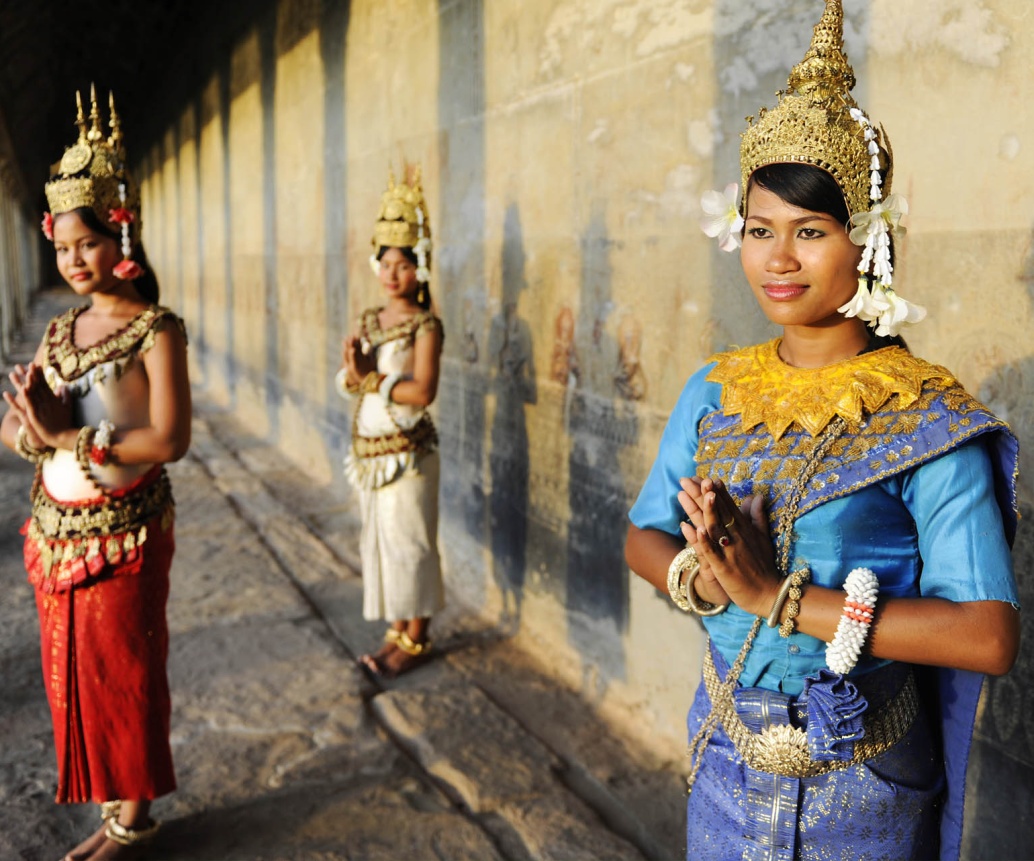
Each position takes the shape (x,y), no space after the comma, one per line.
(421,437)
(56,521)
(783,750)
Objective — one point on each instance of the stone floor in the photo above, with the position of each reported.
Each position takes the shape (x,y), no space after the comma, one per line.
(283,748)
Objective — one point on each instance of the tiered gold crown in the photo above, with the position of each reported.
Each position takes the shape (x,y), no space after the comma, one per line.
(92,169)
(812,123)
(402,219)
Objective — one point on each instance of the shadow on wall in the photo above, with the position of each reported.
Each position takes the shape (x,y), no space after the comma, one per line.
(333,31)
(461,278)
(997,822)
(512,383)
(599,427)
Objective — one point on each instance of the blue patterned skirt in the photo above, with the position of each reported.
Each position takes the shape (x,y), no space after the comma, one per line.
(887,807)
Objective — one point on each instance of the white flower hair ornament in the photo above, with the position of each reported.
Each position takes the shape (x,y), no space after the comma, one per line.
(722,219)
(421,249)
(876,303)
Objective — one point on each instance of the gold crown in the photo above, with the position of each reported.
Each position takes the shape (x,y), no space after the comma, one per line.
(812,123)
(402,219)
(92,169)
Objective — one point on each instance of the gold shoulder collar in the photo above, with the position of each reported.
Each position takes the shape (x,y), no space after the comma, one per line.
(762,389)
(417,324)
(137,336)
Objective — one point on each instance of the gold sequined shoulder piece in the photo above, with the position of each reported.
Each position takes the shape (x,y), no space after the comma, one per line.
(762,389)
(163,320)
(137,336)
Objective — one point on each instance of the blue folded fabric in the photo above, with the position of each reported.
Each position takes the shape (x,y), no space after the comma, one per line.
(835,708)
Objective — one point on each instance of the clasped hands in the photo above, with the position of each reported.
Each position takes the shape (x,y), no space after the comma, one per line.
(732,543)
(44,414)
(356,363)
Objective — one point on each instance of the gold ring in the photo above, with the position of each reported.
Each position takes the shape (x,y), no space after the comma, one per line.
(730,523)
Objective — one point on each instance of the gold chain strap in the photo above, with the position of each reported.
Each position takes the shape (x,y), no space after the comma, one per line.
(784,539)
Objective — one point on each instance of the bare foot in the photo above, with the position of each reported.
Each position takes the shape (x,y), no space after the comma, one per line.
(400,662)
(376,663)
(109,850)
(85,849)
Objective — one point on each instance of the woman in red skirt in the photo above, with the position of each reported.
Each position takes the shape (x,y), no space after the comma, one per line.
(104,403)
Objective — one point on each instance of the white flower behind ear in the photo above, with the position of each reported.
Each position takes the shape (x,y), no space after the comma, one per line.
(861,305)
(899,312)
(722,219)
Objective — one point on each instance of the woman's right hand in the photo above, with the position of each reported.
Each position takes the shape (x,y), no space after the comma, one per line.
(20,403)
(356,363)
(739,573)
(48,415)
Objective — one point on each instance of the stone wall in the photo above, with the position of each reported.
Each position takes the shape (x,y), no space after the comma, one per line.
(565,145)
(20,242)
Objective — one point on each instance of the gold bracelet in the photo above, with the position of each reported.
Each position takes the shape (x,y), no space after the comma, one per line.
(790,593)
(83,443)
(30,452)
(371,383)
(701,608)
(684,560)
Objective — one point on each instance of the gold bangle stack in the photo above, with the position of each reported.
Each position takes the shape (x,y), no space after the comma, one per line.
(685,559)
(30,452)
(83,443)
(683,593)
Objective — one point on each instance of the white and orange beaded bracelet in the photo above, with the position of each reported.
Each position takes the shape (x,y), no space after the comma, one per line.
(843,653)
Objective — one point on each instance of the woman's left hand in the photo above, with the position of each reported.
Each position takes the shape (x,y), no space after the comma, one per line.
(732,543)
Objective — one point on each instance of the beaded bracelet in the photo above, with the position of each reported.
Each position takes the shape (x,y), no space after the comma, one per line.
(28,451)
(100,445)
(843,652)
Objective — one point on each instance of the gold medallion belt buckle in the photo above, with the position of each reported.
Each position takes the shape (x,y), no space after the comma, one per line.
(782,750)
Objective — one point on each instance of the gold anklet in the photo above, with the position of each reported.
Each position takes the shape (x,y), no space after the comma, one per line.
(125,836)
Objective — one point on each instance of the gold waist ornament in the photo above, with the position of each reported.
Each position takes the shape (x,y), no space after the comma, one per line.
(75,542)
(783,750)
(421,437)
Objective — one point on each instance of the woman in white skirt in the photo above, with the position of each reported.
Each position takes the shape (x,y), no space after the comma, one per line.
(391,365)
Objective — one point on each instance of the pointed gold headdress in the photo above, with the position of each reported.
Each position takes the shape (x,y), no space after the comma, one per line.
(818,122)
(402,221)
(92,172)
(814,122)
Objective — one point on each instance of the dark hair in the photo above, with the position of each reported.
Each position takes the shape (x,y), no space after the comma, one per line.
(804,186)
(147,284)
(423,296)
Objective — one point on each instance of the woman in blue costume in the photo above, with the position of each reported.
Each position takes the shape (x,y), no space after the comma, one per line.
(838,511)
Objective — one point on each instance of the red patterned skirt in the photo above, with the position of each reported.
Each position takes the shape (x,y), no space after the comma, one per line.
(104,644)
